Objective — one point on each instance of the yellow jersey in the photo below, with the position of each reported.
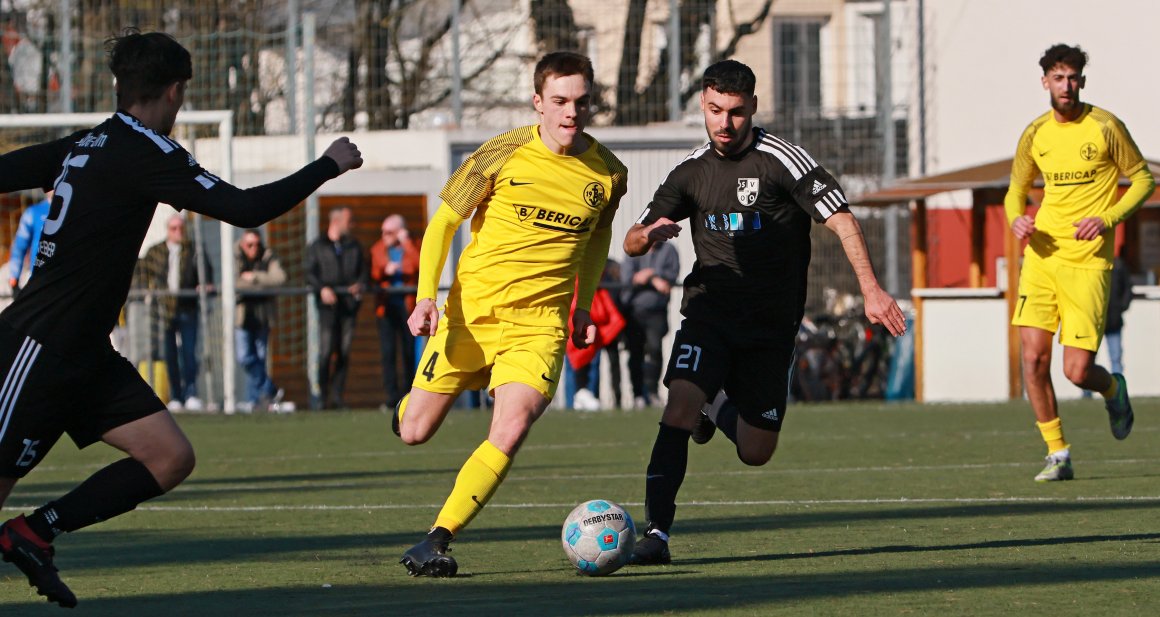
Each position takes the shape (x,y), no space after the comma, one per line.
(534,214)
(1081,162)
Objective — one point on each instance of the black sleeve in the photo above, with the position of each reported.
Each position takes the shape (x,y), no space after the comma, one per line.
(670,199)
(35,166)
(819,194)
(180,182)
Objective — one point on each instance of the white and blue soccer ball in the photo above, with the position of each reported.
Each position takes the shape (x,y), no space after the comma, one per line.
(598,537)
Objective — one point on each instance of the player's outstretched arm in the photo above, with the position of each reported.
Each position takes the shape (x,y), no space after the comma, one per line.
(34,167)
(880,306)
(345,154)
(641,237)
(261,204)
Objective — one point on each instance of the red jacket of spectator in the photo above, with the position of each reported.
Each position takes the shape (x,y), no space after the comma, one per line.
(410,271)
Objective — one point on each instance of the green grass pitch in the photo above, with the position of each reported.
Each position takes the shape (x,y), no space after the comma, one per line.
(866,509)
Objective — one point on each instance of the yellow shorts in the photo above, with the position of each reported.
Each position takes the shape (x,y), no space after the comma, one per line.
(1077,298)
(468,357)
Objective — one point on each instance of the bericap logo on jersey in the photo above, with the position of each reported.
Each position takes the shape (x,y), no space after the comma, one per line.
(747,189)
(551,219)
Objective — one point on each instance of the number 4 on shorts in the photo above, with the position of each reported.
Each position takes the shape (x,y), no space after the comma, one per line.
(429,367)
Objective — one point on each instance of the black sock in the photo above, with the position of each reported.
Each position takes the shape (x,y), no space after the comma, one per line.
(727,420)
(666,472)
(110,492)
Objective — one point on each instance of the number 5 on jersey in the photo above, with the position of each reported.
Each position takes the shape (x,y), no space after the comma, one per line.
(64,191)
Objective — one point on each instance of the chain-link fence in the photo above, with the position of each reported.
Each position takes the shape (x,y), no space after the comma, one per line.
(836,77)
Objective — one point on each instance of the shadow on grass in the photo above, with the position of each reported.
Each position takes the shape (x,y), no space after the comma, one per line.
(196,487)
(91,548)
(676,591)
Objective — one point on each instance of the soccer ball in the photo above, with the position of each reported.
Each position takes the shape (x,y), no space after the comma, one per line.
(598,537)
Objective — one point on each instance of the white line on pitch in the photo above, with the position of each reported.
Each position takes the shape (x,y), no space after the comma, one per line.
(765,502)
(709,504)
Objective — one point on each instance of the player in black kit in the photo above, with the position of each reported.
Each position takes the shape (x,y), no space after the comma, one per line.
(61,374)
(750,198)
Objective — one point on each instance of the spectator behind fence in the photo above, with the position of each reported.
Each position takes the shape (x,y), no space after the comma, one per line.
(611,280)
(1118,301)
(395,263)
(258,269)
(336,272)
(27,241)
(170,267)
(648,281)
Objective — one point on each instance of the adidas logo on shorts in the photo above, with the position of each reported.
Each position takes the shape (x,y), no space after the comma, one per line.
(770,415)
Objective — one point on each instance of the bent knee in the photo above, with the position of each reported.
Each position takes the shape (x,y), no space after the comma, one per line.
(413,438)
(173,469)
(1077,375)
(755,459)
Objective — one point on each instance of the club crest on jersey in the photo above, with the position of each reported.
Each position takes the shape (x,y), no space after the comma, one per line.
(594,194)
(1088,151)
(747,189)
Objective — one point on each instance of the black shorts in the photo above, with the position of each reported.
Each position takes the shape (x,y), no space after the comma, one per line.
(44,395)
(753,366)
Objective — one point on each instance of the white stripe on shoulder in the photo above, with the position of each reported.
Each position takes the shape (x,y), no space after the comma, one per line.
(794,158)
(797,151)
(167,145)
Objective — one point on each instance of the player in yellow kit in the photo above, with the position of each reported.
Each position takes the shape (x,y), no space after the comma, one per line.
(1081,151)
(541,200)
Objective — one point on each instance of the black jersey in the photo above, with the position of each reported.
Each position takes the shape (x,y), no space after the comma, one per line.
(108,181)
(750,215)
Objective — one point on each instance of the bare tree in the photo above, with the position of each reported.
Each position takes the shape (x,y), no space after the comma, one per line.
(635,106)
(555,25)
(399,62)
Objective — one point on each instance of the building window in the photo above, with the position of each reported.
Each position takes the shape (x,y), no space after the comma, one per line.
(797,70)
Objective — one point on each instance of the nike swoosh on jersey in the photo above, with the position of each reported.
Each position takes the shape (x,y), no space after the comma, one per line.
(514,183)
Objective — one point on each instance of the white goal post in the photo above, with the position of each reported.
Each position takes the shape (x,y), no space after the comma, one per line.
(224,120)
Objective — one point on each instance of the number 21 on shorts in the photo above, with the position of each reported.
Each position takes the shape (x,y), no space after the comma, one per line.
(690,357)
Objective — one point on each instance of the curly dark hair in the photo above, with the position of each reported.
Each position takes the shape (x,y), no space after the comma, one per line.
(729,77)
(1060,53)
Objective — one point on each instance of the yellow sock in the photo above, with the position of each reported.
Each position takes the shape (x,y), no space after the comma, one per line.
(1112,389)
(403,407)
(1053,434)
(474,486)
